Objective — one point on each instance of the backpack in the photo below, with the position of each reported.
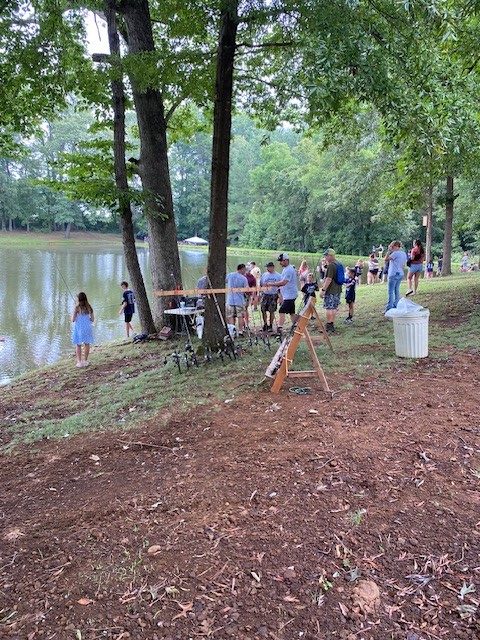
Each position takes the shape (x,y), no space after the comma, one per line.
(340,274)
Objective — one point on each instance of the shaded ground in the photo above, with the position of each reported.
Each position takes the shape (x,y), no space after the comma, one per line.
(263,516)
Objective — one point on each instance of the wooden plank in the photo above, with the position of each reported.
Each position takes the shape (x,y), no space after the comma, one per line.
(160,293)
(316,363)
(302,374)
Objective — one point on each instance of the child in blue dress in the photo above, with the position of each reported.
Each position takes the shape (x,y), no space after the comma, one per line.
(82,333)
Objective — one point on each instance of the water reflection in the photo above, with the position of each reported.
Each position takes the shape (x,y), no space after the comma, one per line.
(38,290)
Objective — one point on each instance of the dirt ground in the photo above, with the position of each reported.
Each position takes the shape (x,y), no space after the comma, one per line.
(278,517)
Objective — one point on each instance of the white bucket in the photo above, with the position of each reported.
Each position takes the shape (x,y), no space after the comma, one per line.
(411,334)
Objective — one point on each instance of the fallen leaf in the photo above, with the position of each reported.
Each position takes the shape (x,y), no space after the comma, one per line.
(291,599)
(85,601)
(185,609)
(94,457)
(343,609)
(154,549)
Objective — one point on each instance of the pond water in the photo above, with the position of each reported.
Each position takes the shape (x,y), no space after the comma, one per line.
(38,289)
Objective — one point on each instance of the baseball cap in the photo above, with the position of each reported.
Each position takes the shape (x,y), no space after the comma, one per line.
(283,256)
(270,264)
(329,252)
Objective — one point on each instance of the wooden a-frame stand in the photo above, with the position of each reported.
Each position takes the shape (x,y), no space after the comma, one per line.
(288,348)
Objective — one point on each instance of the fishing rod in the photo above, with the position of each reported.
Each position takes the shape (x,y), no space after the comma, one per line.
(74,298)
(274,366)
(228,340)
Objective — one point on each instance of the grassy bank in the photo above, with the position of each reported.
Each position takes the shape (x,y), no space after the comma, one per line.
(127,385)
(37,240)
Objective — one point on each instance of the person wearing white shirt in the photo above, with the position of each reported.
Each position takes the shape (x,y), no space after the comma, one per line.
(288,290)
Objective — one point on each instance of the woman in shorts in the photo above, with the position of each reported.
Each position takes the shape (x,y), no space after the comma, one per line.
(415,267)
(373,269)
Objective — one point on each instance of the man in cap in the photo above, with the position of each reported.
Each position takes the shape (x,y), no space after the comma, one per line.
(288,289)
(331,291)
(269,296)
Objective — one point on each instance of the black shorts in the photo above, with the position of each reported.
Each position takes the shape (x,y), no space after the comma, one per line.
(128,316)
(287,306)
(350,297)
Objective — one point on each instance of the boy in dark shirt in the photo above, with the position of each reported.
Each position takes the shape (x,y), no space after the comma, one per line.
(350,284)
(309,288)
(128,306)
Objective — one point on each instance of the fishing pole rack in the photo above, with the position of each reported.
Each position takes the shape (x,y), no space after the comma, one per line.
(280,367)
(231,348)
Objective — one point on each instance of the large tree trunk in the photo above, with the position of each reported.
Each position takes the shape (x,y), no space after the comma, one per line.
(222,127)
(121,180)
(447,238)
(68,228)
(429,231)
(153,163)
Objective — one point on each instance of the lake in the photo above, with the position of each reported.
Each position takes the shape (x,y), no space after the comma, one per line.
(38,289)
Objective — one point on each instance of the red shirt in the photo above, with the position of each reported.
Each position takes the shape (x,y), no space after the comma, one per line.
(417,256)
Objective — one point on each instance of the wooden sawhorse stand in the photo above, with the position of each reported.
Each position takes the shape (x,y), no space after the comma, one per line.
(279,368)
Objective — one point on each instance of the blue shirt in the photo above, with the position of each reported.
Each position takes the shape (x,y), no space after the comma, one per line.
(397,262)
(235,280)
(268,278)
(129,301)
(289,290)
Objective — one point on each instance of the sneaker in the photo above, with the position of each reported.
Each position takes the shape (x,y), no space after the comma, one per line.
(409,293)
(79,365)
(348,320)
(279,330)
(330,328)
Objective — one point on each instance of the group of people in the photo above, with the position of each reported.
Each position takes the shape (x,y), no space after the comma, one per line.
(83,318)
(280,291)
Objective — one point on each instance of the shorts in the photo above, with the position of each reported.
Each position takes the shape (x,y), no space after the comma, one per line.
(269,303)
(287,306)
(331,301)
(235,310)
(415,268)
(374,271)
(128,316)
(349,297)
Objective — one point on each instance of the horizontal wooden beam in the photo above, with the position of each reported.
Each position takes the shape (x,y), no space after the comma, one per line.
(205,292)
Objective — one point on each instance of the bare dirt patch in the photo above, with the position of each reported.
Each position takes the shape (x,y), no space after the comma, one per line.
(267,516)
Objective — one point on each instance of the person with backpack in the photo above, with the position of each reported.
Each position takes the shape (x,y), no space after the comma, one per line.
(331,290)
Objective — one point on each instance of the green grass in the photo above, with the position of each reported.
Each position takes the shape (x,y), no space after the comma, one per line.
(129,385)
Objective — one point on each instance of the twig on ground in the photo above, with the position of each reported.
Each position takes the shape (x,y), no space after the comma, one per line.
(147,445)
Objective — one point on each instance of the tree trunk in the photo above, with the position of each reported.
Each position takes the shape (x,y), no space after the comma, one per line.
(214,330)
(153,164)
(429,230)
(447,238)
(121,180)
(68,228)
(10,224)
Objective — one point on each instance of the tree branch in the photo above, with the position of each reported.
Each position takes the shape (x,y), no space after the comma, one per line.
(172,109)
(250,45)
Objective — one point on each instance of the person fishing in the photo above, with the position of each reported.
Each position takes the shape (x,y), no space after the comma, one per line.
(82,333)
(128,306)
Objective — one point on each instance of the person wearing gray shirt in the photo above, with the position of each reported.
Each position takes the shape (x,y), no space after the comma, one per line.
(396,259)
(235,306)
(288,290)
